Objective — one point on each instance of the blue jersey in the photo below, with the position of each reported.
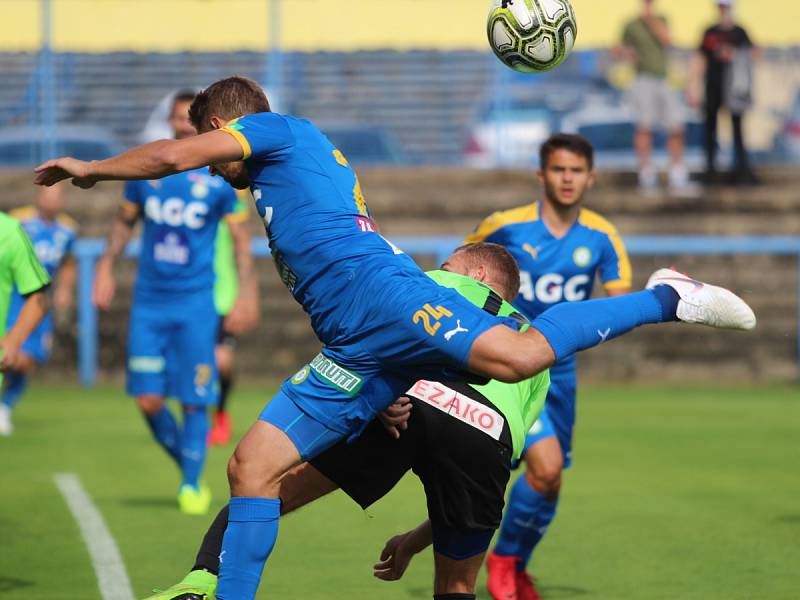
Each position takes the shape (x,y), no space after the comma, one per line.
(555,270)
(318,224)
(52,240)
(181,214)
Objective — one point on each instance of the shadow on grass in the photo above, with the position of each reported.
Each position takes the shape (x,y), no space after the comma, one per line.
(9,584)
(791,518)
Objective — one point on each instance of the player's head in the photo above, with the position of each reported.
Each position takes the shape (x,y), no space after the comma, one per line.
(179,115)
(566,168)
(49,201)
(725,10)
(488,263)
(225,100)
(221,102)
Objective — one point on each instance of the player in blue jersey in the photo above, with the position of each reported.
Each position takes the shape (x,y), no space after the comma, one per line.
(383,322)
(52,233)
(562,248)
(173,322)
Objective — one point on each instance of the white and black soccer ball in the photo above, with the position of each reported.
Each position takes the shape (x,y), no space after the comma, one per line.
(531,36)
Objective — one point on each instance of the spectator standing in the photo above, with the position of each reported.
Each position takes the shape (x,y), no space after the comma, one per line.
(646,41)
(723,64)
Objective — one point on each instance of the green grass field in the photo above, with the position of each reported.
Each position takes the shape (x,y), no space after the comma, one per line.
(675,492)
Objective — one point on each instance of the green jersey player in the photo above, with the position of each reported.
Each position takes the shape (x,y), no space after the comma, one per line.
(20,269)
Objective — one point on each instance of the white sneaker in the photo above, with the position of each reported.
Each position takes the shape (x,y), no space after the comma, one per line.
(704,303)
(680,185)
(6,428)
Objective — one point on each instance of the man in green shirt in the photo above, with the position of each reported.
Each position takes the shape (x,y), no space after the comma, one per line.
(460,439)
(19,268)
(646,41)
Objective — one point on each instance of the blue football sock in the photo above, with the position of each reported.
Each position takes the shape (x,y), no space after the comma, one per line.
(15,384)
(573,326)
(193,444)
(165,430)
(525,522)
(248,541)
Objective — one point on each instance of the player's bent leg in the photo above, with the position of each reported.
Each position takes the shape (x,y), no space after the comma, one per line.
(455,578)
(458,556)
(545,461)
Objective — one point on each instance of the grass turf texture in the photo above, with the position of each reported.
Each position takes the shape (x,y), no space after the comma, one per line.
(676,492)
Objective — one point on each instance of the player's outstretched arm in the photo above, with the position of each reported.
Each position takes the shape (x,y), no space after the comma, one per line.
(399,550)
(151,161)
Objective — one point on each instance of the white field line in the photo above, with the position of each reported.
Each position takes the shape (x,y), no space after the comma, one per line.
(112,578)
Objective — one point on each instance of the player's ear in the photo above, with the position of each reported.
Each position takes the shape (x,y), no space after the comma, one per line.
(592,179)
(540,176)
(217,123)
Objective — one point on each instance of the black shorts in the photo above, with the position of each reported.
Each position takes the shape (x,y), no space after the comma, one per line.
(225,338)
(464,471)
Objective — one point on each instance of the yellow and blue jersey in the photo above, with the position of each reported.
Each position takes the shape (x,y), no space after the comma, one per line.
(181,213)
(319,227)
(555,270)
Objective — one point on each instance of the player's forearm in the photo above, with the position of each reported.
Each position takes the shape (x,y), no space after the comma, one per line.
(33,311)
(118,238)
(151,161)
(245,266)
(420,538)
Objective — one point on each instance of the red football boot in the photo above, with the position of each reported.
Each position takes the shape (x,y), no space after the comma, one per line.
(222,431)
(502,581)
(525,588)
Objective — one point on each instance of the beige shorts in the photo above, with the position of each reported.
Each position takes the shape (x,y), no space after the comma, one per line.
(655,104)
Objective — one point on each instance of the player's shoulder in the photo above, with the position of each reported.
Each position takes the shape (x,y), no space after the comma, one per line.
(67,222)
(594,221)
(23,213)
(509,217)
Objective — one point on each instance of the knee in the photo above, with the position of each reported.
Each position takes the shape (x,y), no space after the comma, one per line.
(546,478)
(251,476)
(150,405)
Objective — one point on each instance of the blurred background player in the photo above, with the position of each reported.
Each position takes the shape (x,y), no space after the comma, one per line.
(174,322)
(723,68)
(646,41)
(52,233)
(561,248)
(226,289)
(20,273)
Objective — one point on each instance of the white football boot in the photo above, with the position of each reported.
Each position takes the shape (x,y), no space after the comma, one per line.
(704,303)
(6,428)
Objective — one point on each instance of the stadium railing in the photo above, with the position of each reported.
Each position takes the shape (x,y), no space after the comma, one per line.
(87,251)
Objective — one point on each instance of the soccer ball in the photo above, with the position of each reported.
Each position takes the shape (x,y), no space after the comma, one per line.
(531,36)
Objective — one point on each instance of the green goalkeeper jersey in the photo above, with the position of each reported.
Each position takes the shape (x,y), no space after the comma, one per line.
(19,267)
(519,402)
(226,277)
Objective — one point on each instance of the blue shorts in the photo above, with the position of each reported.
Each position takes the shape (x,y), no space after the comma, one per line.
(409,328)
(171,348)
(557,418)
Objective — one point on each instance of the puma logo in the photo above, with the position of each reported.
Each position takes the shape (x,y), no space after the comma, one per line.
(455,331)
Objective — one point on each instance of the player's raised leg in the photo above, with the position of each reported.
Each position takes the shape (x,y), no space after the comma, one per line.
(565,329)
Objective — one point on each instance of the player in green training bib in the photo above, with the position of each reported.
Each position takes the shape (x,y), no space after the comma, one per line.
(20,269)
